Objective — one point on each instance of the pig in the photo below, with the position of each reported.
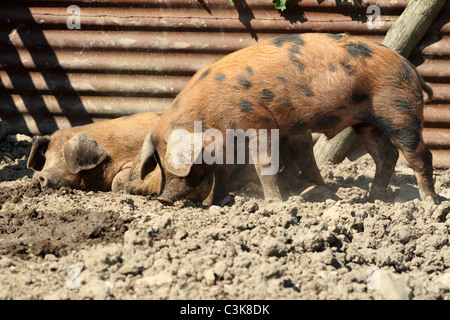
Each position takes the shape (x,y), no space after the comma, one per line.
(104,157)
(238,176)
(94,157)
(300,83)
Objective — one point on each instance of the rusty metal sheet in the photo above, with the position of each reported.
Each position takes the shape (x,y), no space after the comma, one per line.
(94,105)
(437,113)
(110,61)
(137,40)
(221,4)
(437,138)
(124,84)
(44,125)
(222,18)
(436,68)
(259,20)
(431,47)
(441,158)
(190,42)
(441,92)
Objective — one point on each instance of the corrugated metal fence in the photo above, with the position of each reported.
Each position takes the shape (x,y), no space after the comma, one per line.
(135,55)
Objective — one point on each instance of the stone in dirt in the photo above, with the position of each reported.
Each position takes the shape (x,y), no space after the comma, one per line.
(393,287)
(209,277)
(332,212)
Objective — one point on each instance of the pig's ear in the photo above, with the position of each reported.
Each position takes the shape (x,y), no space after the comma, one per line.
(82,152)
(148,153)
(36,160)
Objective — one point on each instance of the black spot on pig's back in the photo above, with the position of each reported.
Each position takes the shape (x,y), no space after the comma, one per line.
(244,82)
(407,70)
(220,77)
(204,74)
(292,38)
(359,49)
(245,105)
(306,90)
(338,36)
(267,95)
(359,96)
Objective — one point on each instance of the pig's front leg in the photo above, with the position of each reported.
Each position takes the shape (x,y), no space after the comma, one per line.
(301,147)
(220,186)
(268,164)
(270,185)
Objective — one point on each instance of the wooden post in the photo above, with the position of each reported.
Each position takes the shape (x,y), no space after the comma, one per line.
(403,36)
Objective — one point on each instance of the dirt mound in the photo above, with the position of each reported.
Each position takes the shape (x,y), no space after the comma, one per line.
(40,232)
(27,229)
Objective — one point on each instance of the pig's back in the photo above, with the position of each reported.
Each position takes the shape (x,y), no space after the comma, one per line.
(295,77)
(119,137)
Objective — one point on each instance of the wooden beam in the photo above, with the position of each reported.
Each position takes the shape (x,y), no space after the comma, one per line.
(411,26)
(403,36)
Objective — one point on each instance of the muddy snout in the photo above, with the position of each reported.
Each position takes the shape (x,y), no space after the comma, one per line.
(50,179)
(173,189)
(177,190)
(165,201)
(42,178)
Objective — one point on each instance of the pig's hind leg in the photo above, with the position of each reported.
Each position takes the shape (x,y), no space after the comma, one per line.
(384,154)
(405,132)
(410,142)
(421,161)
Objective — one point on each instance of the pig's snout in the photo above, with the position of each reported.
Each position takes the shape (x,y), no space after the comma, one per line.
(168,197)
(165,201)
(41,178)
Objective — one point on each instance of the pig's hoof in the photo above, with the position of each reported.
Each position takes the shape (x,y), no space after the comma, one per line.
(228,200)
(165,201)
(432,199)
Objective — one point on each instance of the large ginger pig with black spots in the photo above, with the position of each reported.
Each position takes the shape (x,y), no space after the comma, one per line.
(298,84)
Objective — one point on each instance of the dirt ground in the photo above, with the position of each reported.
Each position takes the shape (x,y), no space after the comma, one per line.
(326,243)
